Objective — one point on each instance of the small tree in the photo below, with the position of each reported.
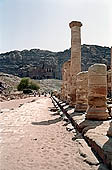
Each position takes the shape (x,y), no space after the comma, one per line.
(33,85)
(27,83)
(23,84)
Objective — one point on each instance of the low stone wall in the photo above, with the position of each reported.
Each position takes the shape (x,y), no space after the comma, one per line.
(94,132)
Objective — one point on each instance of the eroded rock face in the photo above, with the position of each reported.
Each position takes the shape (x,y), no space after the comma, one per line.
(111,71)
(81,91)
(40,64)
(109,83)
(109,133)
(97,92)
(75,57)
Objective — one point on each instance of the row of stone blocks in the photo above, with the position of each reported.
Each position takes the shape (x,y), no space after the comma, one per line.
(87,91)
(91,92)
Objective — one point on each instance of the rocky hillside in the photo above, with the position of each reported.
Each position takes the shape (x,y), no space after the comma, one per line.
(41,64)
(8,84)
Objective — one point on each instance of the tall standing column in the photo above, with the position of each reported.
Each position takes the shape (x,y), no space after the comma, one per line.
(97,92)
(75,57)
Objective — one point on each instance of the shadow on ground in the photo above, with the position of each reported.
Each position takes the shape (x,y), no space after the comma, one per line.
(48,122)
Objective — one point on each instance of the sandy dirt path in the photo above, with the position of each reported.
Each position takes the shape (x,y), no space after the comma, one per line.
(34,138)
(15,103)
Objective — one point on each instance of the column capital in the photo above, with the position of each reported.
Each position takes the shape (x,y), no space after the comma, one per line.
(75,23)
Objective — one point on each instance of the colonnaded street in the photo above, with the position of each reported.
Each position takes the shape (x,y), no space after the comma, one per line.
(33,136)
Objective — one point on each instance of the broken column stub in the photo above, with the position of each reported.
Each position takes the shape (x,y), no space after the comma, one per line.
(81,91)
(75,67)
(97,92)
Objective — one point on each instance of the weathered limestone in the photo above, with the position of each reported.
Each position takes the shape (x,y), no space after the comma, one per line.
(97,92)
(75,57)
(82,91)
(64,85)
(68,81)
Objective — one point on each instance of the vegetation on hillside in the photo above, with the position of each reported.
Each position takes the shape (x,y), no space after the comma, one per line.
(27,83)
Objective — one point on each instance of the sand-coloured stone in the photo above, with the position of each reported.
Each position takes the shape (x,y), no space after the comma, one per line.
(64,84)
(68,80)
(81,91)
(97,92)
(75,57)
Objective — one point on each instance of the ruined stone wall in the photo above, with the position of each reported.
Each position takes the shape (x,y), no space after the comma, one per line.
(64,84)
(81,91)
(97,92)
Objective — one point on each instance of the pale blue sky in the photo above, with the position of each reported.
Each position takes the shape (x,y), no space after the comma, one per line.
(44,24)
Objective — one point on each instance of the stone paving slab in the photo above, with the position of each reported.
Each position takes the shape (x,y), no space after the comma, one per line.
(94,132)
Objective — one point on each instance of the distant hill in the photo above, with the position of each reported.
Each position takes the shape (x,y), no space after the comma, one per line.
(8,83)
(42,64)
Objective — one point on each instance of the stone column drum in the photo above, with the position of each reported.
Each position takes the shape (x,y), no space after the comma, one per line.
(81,91)
(97,92)
(68,80)
(64,84)
(75,57)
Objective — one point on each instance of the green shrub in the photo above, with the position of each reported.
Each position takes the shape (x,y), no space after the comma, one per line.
(27,83)
(33,86)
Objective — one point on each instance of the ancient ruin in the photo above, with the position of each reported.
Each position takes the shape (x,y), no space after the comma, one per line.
(81,91)
(97,92)
(68,80)
(64,84)
(75,57)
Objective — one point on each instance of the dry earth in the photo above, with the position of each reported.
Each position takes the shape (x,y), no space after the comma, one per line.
(32,137)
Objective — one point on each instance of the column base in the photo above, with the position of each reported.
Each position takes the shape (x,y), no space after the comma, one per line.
(97,113)
(81,107)
(72,100)
(109,133)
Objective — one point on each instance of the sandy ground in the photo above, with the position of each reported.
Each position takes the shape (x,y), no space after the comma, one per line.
(34,138)
(16,103)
